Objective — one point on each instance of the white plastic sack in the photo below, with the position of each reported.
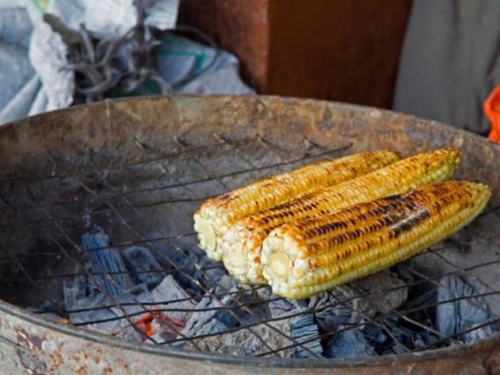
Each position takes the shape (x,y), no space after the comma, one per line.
(44,83)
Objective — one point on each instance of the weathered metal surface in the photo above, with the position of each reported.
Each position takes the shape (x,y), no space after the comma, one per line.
(39,347)
(107,134)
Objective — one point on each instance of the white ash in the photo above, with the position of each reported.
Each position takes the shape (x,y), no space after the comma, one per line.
(170,290)
(218,318)
(167,325)
(167,290)
(383,292)
(77,293)
(476,249)
(303,328)
(462,314)
(225,284)
(259,339)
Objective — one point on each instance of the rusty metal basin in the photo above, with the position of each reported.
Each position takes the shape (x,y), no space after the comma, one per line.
(116,133)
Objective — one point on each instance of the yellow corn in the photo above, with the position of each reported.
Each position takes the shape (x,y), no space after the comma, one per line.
(304,258)
(241,246)
(216,215)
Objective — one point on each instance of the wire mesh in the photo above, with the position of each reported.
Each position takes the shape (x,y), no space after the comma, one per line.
(150,203)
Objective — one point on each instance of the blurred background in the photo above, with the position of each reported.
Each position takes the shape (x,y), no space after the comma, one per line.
(438,60)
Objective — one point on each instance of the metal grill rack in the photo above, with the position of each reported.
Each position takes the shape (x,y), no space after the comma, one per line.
(150,202)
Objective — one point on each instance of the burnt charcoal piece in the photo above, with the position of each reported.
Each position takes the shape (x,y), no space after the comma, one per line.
(462,314)
(305,331)
(349,343)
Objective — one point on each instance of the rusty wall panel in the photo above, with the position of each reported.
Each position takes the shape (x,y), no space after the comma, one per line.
(326,49)
(240,26)
(335,49)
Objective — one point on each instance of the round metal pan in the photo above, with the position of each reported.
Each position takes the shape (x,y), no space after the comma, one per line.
(108,132)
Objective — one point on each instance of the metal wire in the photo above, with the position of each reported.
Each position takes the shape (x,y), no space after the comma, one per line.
(104,203)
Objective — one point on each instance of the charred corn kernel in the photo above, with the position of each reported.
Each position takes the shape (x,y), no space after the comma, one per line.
(214,217)
(304,258)
(241,246)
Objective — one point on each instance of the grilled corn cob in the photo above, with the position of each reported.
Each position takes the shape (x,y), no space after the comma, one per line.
(242,244)
(216,215)
(313,255)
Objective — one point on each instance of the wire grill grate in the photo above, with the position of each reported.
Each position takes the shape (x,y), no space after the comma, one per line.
(150,203)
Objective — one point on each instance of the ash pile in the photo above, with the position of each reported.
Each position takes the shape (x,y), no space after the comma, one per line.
(190,302)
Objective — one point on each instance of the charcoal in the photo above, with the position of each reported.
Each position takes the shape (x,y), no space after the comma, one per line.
(75,291)
(128,332)
(303,327)
(464,314)
(377,299)
(168,323)
(400,333)
(424,301)
(170,290)
(397,349)
(250,308)
(349,343)
(423,340)
(79,295)
(375,335)
(225,284)
(260,340)
(107,260)
(219,325)
(45,310)
(99,320)
(205,275)
(419,343)
(305,331)
(212,273)
(411,340)
(404,271)
(165,328)
(164,325)
(264,294)
(403,336)
(178,260)
(216,320)
(138,260)
(254,313)
(282,307)
(383,343)
(329,313)
(196,267)
(162,338)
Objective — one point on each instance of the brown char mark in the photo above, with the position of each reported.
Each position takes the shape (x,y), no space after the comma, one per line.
(409,223)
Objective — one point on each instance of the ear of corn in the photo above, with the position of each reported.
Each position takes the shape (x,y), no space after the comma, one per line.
(310,256)
(216,215)
(242,244)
